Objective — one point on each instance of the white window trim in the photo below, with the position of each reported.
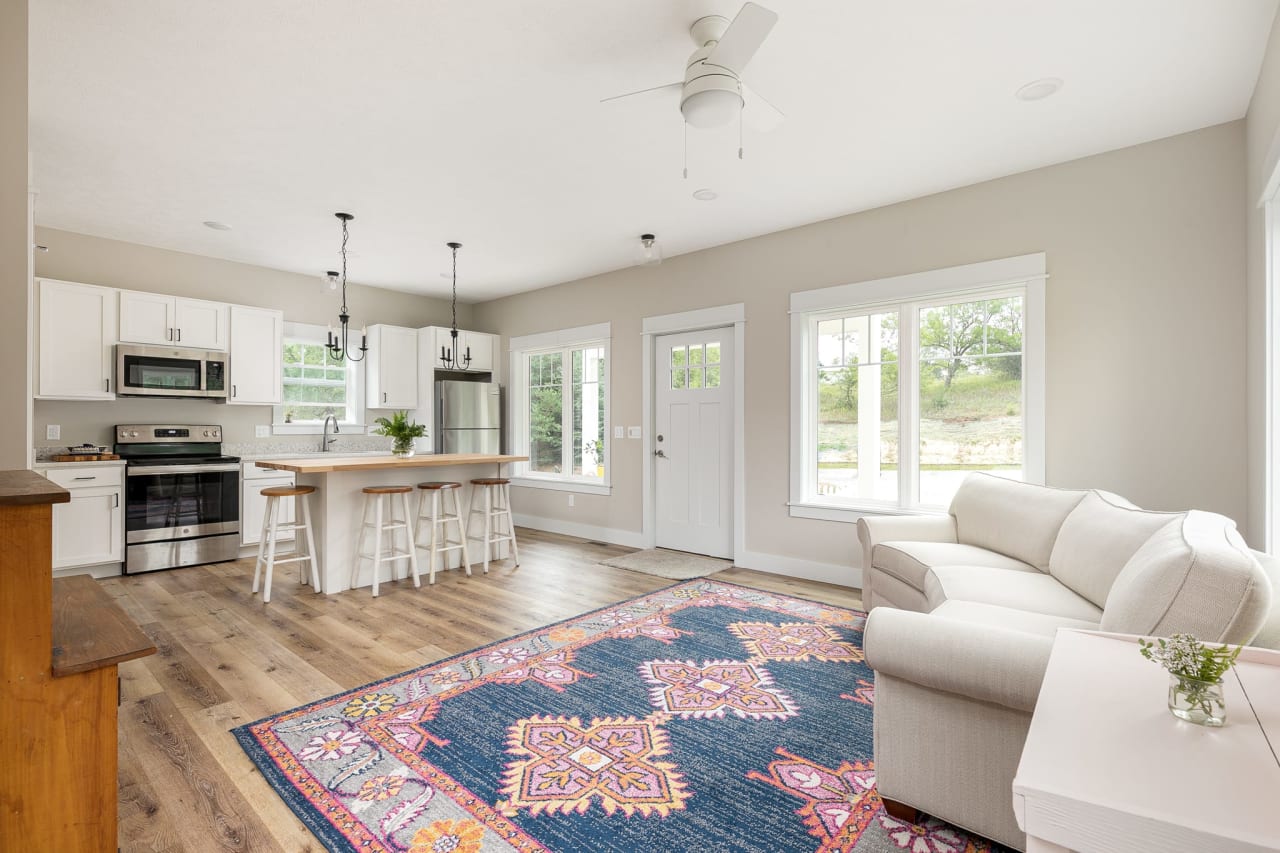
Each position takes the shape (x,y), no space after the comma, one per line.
(520,348)
(316,334)
(1025,272)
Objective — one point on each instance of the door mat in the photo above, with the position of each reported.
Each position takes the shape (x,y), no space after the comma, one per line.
(674,565)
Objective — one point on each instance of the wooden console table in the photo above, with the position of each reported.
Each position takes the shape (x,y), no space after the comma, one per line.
(60,643)
(1107,769)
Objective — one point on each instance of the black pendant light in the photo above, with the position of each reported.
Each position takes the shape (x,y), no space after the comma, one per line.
(449,356)
(338,347)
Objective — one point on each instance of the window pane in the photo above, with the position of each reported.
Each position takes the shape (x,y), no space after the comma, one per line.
(695,377)
(678,358)
(312,390)
(588,412)
(313,354)
(970,394)
(695,355)
(857,400)
(713,353)
(713,377)
(546,428)
(679,380)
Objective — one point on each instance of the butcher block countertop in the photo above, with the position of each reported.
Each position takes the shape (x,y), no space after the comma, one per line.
(335,462)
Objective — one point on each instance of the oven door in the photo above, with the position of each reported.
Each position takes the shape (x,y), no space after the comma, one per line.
(165,502)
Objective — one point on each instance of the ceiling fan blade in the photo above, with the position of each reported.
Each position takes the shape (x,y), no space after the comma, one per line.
(654,90)
(740,42)
(758,113)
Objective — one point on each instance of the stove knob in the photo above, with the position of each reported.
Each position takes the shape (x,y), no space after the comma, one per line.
(207,433)
(133,433)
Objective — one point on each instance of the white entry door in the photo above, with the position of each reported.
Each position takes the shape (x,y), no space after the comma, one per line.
(693,441)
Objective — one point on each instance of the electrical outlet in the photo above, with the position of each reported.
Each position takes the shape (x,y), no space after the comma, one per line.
(262,431)
(619,432)
(570,500)
(633,432)
(53,432)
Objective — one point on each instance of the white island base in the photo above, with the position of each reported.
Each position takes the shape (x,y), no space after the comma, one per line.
(337,504)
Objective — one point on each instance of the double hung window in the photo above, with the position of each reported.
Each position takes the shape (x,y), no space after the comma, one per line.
(315,384)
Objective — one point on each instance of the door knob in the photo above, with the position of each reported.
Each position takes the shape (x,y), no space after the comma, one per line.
(659,453)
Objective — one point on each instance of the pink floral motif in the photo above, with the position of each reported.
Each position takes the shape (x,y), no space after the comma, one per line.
(656,627)
(839,802)
(615,617)
(687,690)
(507,655)
(931,836)
(795,641)
(446,676)
(552,669)
(330,746)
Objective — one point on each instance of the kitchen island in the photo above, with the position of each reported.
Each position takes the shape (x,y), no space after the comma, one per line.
(338,501)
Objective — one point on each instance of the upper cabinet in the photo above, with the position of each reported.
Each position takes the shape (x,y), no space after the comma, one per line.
(153,318)
(257,350)
(478,345)
(76,353)
(391,368)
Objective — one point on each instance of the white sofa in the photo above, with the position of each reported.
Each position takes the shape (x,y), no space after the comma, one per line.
(964,607)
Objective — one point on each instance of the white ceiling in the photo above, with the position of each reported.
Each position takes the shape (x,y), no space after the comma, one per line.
(480,121)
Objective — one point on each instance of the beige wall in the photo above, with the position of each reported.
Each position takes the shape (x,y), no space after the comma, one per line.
(93,260)
(15,246)
(1262,138)
(1146,307)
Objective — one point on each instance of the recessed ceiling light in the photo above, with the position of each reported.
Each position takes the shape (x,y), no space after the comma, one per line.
(216,226)
(1038,90)
(705,195)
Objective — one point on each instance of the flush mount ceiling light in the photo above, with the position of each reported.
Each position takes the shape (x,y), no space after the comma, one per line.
(1038,90)
(339,351)
(331,279)
(216,225)
(650,253)
(705,195)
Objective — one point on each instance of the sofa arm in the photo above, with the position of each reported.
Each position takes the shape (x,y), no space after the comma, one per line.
(983,662)
(902,528)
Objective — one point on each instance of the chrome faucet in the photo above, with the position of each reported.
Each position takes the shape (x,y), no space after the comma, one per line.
(325,440)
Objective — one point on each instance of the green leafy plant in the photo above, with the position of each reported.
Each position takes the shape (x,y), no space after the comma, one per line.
(401,430)
(1186,657)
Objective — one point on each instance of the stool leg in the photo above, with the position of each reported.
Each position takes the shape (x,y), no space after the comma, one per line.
(355,563)
(271,550)
(377,542)
(435,526)
(511,523)
(409,540)
(262,545)
(488,526)
(316,582)
(423,497)
(462,534)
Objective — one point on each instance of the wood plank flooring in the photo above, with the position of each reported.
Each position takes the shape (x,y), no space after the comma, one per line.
(225,659)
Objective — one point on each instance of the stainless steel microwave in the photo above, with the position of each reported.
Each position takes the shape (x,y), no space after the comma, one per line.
(170,372)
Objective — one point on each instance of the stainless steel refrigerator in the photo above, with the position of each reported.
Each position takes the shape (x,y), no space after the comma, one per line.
(468,417)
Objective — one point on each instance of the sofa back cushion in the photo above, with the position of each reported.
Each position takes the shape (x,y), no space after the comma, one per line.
(1097,539)
(1195,576)
(1019,520)
(1269,636)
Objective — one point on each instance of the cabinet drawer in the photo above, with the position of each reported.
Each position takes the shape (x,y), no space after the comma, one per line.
(84,478)
(253,472)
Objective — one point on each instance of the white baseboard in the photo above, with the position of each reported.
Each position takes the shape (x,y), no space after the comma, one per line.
(626,538)
(772,563)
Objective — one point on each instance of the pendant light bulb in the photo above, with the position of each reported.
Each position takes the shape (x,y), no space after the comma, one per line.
(331,279)
(650,251)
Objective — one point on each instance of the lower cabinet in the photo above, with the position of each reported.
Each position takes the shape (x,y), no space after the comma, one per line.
(88,530)
(253,506)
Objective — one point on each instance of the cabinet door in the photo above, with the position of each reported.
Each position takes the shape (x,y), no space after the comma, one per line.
(256,343)
(88,529)
(201,324)
(147,318)
(481,346)
(77,339)
(253,510)
(393,369)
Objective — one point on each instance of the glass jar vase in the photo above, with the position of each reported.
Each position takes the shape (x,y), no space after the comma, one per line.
(403,449)
(1196,701)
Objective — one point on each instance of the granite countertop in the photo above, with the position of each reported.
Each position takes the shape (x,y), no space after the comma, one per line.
(48,464)
(254,456)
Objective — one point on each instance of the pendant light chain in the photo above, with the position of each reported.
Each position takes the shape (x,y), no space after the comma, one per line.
(455,288)
(452,357)
(338,345)
(345,236)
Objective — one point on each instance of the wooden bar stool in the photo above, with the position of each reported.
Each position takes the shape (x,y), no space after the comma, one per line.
(271,529)
(433,498)
(373,498)
(491,499)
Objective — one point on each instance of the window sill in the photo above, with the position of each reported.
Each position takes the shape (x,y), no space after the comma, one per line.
(850,513)
(582,487)
(317,429)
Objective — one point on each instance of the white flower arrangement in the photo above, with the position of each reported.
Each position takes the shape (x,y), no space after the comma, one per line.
(1186,657)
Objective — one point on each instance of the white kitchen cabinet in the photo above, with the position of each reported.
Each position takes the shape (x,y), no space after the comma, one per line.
(391,368)
(253,506)
(160,320)
(254,360)
(88,530)
(77,336)
(480,344)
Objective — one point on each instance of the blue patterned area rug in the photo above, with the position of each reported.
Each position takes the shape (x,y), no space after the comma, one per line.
(706,716)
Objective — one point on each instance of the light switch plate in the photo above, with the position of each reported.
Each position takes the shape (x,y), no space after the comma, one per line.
(619,432)
(52,432)
(633,432)
(262,431)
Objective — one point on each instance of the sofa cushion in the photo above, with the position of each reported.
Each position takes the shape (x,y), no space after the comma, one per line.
(1019,520)
(1097,539)
(1196,576)
(910,561)
(978,613)
(1269,635)
(1035,592)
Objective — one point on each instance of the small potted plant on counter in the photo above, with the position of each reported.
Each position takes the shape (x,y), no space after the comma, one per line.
(402,431)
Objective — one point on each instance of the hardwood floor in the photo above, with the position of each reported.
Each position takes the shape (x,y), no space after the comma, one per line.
(225,659)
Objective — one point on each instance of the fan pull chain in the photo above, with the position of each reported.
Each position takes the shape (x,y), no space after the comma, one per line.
(685,126)
(739,134)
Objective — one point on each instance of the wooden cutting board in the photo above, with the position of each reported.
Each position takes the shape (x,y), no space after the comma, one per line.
(95,457)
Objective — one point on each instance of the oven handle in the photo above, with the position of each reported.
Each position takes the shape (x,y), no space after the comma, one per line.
(142,470)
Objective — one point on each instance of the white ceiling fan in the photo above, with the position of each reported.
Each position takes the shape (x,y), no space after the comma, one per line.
(712,93)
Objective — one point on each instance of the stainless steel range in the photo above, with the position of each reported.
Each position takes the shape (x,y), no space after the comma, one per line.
(182,496)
